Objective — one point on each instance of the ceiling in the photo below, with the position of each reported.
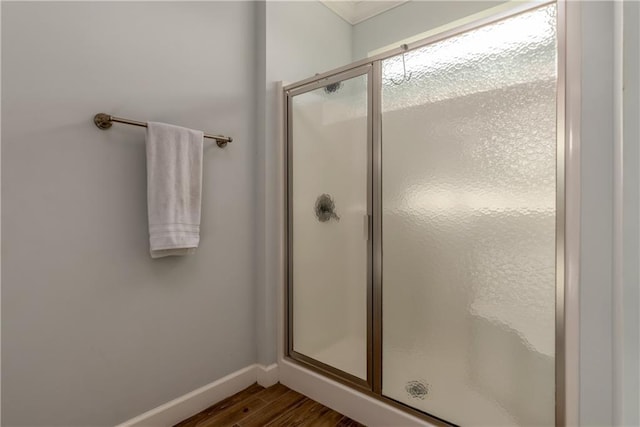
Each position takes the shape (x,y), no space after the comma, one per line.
(356,11)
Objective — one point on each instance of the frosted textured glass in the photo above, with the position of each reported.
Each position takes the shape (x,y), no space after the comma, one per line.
(329,156)
(469,160)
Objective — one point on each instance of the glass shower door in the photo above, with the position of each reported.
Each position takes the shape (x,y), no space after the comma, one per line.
(329,204)
(469,222)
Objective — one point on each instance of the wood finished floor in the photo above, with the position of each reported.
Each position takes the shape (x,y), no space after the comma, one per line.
(276,406)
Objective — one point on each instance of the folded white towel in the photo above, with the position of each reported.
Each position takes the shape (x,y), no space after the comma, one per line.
(174,188)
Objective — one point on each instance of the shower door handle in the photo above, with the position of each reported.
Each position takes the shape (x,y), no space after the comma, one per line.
(368,226)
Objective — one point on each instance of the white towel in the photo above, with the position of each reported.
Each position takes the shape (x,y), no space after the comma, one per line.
(174,189)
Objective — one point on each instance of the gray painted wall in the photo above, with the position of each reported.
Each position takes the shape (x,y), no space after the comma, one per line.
(304,38)
(409,19)
(94,331)
(596,406)
(631,215)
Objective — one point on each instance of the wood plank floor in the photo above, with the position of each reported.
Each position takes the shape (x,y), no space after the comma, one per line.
(276,406)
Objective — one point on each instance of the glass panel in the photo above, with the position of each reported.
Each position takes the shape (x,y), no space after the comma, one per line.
(469,190)
(329,200)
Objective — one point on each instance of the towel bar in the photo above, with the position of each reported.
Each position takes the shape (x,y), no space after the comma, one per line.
(104,121)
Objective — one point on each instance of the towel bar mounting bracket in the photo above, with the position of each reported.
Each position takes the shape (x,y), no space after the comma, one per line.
(102,120)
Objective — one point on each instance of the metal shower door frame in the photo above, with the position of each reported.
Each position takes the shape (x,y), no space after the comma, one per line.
(352,380)
(564,257)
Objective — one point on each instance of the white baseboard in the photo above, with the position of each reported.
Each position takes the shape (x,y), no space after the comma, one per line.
(267,375)
(347,401)
(191,403)
(341,398)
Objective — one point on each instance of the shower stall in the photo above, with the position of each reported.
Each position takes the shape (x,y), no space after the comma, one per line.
(425,222)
